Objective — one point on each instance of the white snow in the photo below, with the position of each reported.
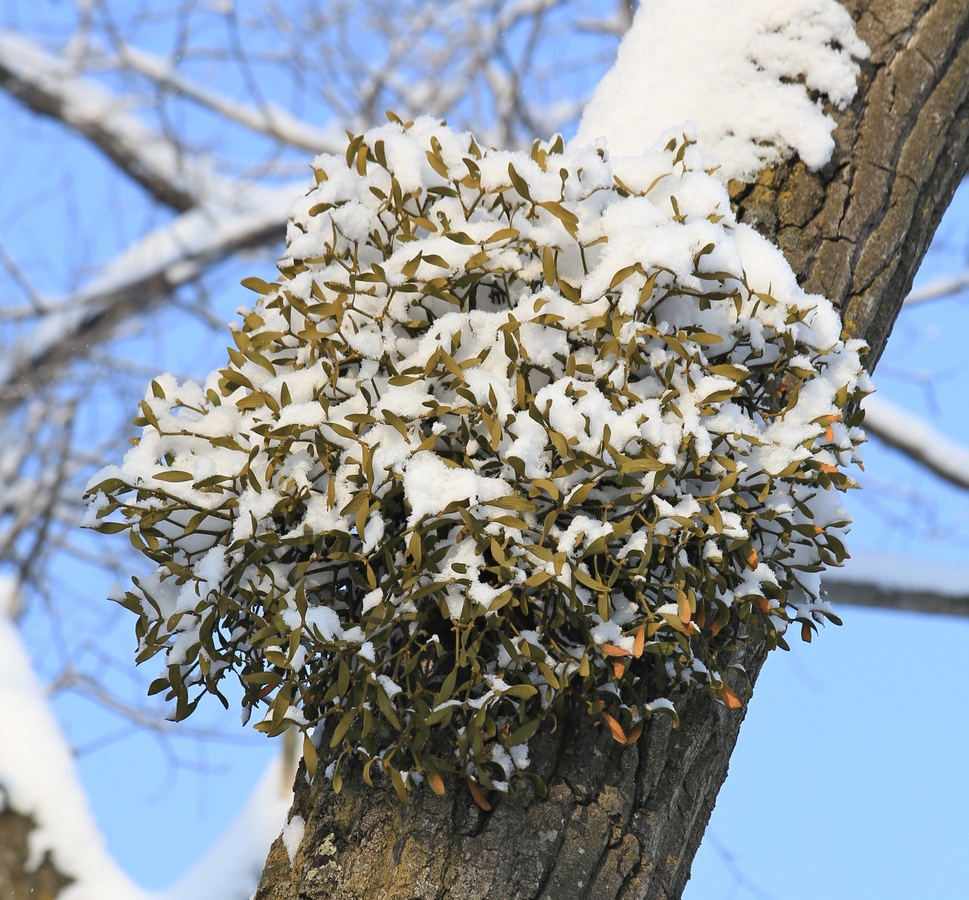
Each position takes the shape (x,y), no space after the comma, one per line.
(918,438)
(38,775)
(431,486)
(292,836)
(38,778)
(717,66)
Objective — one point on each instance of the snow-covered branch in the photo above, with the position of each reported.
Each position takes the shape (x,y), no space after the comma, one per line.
(142,275)
(899,583)
(267,118)
(51,87)
(908,600)
(38,778)
(918,440)
(940,288)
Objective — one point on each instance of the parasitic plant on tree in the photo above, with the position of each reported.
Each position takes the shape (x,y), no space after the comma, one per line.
(510,432)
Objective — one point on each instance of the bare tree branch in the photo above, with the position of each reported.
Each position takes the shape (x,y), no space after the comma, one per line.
(267,119)
(940,288)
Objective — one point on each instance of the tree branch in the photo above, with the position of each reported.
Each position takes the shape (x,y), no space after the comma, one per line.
(857,229)
(626,823)
(939,288)
(917,440)
(861,593)
(50,87)
(141,276)
(266,119)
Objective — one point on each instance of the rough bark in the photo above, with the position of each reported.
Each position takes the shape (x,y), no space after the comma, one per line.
(614,822)
(856,230)
(620,824)
(17,880)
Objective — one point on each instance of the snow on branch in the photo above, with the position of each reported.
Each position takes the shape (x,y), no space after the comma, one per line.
(767,57)
(853,593)
(940,288)
(232,866)
(918,440)
(267,118)
(38,777)
(143,274)
(51,87)
(888,581)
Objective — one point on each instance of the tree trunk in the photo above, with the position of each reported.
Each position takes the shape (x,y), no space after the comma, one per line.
(626,823)
(18,881)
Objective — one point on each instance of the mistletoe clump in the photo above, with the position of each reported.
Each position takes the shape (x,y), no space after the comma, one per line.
(510,432)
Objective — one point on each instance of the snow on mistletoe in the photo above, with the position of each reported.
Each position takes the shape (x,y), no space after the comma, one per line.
(509,433)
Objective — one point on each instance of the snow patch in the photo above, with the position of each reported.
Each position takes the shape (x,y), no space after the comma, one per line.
(738,72)
(292,836)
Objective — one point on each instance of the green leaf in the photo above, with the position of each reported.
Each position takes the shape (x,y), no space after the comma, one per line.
(309,756)
(173,475)
(110,527)
(343,726)
(503,234)
(522,691)
(258,285)
(519,183)
(624,273)
(437,164)
(399,786)
(523,733)
(512,502)
(568,218)
(447,688)
(387,707)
